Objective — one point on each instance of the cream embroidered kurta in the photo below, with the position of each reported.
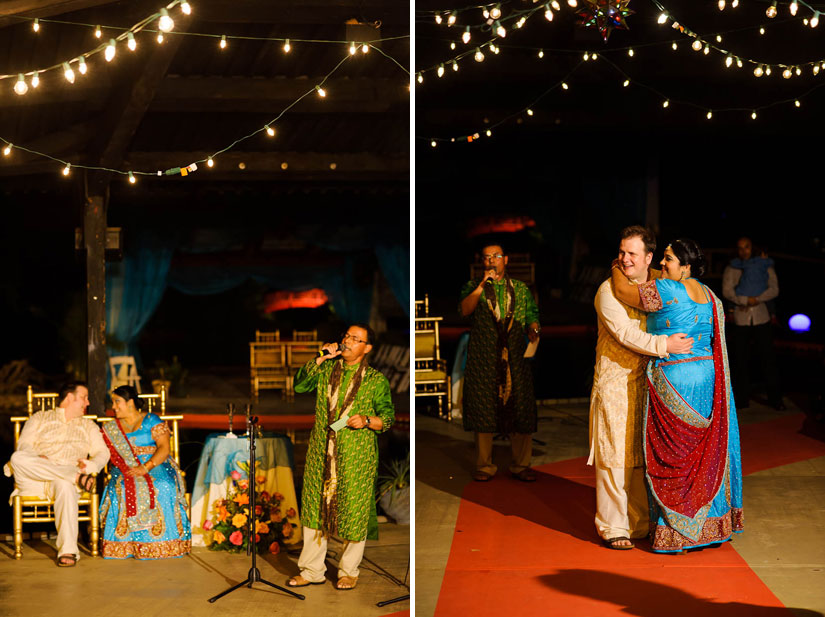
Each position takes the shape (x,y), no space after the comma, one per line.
(619,388)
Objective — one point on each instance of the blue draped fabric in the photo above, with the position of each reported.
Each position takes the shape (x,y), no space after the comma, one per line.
(134,288)
(395,264)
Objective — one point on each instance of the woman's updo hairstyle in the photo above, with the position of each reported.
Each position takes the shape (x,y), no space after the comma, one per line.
(689,254)
(128,393)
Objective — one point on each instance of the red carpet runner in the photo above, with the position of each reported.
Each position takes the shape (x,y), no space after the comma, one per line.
(531,549)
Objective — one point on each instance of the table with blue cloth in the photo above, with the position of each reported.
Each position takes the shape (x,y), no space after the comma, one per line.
(221,455)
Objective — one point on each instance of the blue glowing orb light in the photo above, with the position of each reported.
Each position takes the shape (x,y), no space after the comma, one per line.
(799,323)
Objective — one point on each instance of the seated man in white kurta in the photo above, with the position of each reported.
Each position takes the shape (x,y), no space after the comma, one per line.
(618,398)
(51,462)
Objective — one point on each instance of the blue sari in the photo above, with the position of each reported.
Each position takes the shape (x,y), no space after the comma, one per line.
(693,465)
(143,517)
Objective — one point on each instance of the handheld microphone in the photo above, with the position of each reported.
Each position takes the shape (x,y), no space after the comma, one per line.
(326,352)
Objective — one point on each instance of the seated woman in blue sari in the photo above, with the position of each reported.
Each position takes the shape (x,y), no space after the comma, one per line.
(690,434)
(143,510)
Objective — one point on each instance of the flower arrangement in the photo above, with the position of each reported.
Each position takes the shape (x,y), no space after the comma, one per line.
(229,524)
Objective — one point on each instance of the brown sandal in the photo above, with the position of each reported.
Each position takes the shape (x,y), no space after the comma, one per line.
(70,560)
(611,543)
(300,581)
(86,482)
(346,580)
(481,476)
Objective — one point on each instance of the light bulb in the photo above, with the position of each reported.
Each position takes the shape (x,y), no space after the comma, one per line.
(455,65)
(706,50)
(479,57)
(586,56)
(287,46)
(500,30)
(728,61)
(420,78)
(548,14)
(21,87)
(131,43)
(489,133)
(451,19)
(718,38)
(696,45)
(572,4)
(109,53)
(160,37)
(815,20)
(270,131)
(734,4)
(132,178)
(165,23)
(284,165)
(710,115)
(626,83)
(662,18)
(7,150)
(797,103)
(815,70)
(66,169)
(68,73)
(452,45)
(529,112)
(365,48)
(81,65)
(222,44)
(485,13)
(36,25)
(771,10)
(721,5)
(352,49)
(186,8)
(321,92)
(787,73)
(630,52)
(761,30)
(758,71)
(521,22)
(739,63)
(753,115)
(555,5)
(793,8)
(36,79)
(768,71)
(98,32)
(665,103)
(565,86)
(433,144)
(541,53)
(798,71)
(440,70)
(210,162)
(438,19)
(495,12)
(466,36)
(674,46)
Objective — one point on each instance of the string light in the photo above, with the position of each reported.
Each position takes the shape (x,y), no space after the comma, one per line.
(66,169)
(160,38)
(520,23)
(7,150)
(626,83)
(797,103)
(495,12)
(710,115)
(68,73)
(222,44)
(529,112)
(438,19)
(165,23)
(721,5)
(36,25)
(21,87)
(479,56)
(770,12)
(697,45)
(734,4)
(451,19)
(586,56)
(98,32)
(440,71)
(287,46)
(541,53)
(321,92)
(793,8)
(753,115)
(758,71)
(500,30)
(132,178)
(630,52)
(420,78)
(109,54)
(728,61)
(35,79)
(489,133)
(662,19)
(352,49)
(762,30)
(572,4)
(548,14)
(210,162)
(452,45)
(815,20)
(455,65)
(81,65)
(665,103)
(186,8)
(465,38)
(131,43)
(675,46)
(433,143)
(565,86)
(270,131)
(555,5)
(365,48)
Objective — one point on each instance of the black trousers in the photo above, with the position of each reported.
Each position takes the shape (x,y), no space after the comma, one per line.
(753,345)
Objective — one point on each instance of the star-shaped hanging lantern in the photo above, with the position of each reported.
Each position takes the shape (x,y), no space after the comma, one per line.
(605,15)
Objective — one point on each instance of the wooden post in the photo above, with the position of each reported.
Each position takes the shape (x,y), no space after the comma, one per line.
(94,240)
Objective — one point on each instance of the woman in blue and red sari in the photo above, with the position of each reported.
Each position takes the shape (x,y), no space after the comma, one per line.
(143,510)
(693,465)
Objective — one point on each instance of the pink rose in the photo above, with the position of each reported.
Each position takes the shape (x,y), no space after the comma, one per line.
(291,513)
(236,475)
(236,538)
(264,496)
(243,485)
(207,525)
(274,548)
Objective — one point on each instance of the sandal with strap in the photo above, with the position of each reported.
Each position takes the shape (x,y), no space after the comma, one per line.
(66,561)
(86,482)
(611,543)
(300,581)
(348,581)
(481,476)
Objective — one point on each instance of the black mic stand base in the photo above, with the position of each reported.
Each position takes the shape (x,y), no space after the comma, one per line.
(254,576)
(394,600)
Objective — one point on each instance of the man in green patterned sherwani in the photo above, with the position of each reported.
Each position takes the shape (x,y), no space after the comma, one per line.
(498,384)
(341,466)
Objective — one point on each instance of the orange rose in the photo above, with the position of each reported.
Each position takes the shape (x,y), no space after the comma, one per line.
(287,530)
(258,510)
(261,527)
(239,520)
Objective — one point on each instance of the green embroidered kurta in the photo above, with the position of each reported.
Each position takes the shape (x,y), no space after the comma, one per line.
(479,409)
(357,450)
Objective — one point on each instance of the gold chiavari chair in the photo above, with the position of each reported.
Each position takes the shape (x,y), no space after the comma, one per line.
(267,337)
(305,335)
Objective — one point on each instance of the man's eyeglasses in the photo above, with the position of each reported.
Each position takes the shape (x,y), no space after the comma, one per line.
(492,257)
(347,335)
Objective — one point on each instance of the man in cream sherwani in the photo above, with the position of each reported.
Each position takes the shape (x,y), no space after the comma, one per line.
(618,398)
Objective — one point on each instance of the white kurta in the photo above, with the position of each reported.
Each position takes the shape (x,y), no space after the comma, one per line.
(619,389)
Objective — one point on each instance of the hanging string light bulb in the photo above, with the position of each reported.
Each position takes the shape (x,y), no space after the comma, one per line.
(465,38)
(21,87)
(210,162)
(451,19)
(68,73)
(455,65)
(36,25)
(186,8)
(630,52)
(81,65)
(270,131)
(109,52)
(132,178)
(697,45)
(500,30)
(721,5)
(572,4)
(479,56)
(662,19)
(709,115)
(98,32)
(67,169)
(793,8)
(321,92)
(438,19)
(287,46)
(541,53)
(753,115)
(420,78)
(352,48)
(7,150)
(815,19)
(165,23)
(36,79)
(495,12)
(665,104)
(728,61)
(548,13)
(365,48)
(160,38)
(758,71)
(771,10)
(440,71)
(223,43)
(131,43)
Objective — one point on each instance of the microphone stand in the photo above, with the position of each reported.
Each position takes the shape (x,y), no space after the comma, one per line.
(254,575)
